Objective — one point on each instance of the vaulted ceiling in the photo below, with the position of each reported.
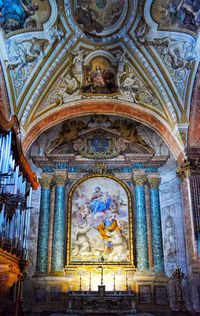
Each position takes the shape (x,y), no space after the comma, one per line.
(64,58)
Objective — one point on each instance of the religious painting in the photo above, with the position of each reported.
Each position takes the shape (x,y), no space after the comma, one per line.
(99,223)
(99,17)
(99,77)
(18,14)
(160,295)
(144,294)
(177,13)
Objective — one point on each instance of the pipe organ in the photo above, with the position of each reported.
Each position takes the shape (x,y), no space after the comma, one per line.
(16,184)
(15,201)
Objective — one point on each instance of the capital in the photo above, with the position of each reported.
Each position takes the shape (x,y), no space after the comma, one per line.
(183,170)
(139,180)
(154,182)
(45,181)
(60,179)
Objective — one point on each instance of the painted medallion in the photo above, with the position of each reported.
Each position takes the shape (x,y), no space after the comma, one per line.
(99,77)
(100,17)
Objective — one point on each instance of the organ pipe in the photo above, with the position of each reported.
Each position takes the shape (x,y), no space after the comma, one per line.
(15,201)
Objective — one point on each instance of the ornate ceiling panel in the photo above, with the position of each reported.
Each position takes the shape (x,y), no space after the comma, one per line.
(142,53)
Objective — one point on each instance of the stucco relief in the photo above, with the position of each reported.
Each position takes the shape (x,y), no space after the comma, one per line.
(170,239)
(172,219)
(23,57)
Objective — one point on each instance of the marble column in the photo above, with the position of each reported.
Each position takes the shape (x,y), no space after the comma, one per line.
(198,244)
(141,223)
(43,232)
(157,246)
(59,226)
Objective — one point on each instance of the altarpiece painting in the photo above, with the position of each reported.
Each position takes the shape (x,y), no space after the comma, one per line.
(100,222)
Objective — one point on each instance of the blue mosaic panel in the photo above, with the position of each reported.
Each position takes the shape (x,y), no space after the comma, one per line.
(157,247)
(141,229)
(58,248)
(43,233)
(47,169)
(138,165)
(61,165)
(151,169)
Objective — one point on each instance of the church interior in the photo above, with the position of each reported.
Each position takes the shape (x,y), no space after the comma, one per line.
(99,157)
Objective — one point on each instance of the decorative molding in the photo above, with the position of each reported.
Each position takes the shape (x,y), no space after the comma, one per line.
(46,180)
(183,170)
(139,180)
(154,182)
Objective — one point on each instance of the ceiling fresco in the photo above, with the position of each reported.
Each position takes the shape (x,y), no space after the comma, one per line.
(143,54)
(23,14)
(100,17)
(181,14)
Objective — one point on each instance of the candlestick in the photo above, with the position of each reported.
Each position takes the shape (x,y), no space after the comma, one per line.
(178,275)
(80,283)
(126,281)
(114,289)
(102,262)
(90,280)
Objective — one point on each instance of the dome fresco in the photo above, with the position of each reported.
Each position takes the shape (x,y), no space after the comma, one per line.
(100,17)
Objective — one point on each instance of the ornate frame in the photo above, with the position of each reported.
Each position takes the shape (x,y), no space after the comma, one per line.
(70,263)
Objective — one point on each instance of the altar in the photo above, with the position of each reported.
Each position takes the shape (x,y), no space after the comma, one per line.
(100,302)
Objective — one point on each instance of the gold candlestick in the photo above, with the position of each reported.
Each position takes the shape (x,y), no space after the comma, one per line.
(126,282)
(114,289)
(80,282)
(90,279)
(178,275)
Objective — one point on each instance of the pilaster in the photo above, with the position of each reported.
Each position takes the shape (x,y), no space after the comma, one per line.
(183,171)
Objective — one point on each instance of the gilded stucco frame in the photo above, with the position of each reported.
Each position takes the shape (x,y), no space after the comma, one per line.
(70,263)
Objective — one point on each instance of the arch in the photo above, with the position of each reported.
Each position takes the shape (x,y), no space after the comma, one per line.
(111,107)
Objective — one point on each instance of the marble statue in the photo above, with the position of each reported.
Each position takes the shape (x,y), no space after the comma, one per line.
(121,60)
(130,86)
(170,238)
(78,60)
